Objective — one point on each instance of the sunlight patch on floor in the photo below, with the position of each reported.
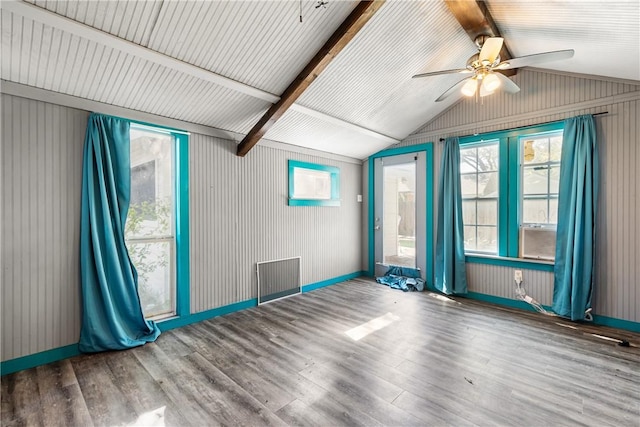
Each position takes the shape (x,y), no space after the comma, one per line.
(376,324)
(154,418)
(442,298)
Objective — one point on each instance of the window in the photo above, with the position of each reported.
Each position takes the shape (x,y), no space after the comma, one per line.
(479,182)
(540,160)
(151,229)
(509,183)
(311,184)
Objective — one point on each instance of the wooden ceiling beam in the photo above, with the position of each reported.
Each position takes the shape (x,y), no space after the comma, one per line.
(338,40)
(476,20)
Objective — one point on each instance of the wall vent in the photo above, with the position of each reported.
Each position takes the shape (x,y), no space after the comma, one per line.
(538,243)
(278,279)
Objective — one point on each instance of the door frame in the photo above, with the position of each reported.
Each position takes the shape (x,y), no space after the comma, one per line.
(427,148)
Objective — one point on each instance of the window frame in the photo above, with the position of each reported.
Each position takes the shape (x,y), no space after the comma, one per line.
(477,198)
(181,216)
(509,191)
(334,174)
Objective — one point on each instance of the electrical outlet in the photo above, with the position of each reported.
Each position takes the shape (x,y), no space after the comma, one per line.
(517,276)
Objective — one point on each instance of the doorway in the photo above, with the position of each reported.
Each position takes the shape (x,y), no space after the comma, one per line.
(401,219)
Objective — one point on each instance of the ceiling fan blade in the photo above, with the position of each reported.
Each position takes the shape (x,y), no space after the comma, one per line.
(437,73)
(537,58)
(491,49)
(507,84)
(453,89)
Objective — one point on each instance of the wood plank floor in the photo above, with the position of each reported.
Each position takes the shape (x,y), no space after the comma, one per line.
(290,363)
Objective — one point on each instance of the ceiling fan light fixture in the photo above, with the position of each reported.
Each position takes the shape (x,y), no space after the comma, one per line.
(470,87)
(484,92)
(490,82)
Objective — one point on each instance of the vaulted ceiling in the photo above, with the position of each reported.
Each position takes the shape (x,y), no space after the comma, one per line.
(224,63)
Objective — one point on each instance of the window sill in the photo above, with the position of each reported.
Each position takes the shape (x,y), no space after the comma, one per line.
(312,202)
(528,264)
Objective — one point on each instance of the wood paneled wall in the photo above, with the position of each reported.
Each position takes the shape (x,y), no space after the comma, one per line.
(41,160)
(238,216)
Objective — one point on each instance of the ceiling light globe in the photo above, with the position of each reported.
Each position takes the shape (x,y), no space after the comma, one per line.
(491,82)
(470,87)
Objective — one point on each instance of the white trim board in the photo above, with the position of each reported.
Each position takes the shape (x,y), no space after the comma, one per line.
(37,94)
(567,108)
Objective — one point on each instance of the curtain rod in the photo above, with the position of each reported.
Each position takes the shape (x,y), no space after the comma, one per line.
(602,113)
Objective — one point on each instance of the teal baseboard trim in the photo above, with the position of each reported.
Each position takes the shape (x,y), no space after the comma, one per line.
(313,286)
(60,353)
(37,359)
(178,322)
(509,262)
(612,322)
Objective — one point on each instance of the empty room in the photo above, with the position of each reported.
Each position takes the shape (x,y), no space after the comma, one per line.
(320,213)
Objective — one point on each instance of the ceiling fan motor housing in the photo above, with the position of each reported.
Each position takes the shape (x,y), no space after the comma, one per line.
(474,64)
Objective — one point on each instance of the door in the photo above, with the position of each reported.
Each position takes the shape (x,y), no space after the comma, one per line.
(399,211)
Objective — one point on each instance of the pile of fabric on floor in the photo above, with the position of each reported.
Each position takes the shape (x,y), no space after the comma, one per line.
(405,278)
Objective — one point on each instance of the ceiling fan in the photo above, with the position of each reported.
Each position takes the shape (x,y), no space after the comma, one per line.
(485,64)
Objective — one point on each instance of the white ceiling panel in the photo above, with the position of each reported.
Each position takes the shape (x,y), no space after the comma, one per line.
(38,55)
(127,19)
(260,43)
(370,83)
(604,34)
(300,129)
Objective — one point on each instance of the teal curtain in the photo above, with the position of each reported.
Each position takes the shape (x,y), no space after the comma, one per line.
(451,270)
(577,201)
(112,317)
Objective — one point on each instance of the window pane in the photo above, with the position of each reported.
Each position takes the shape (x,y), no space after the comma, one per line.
(535,180)
(468,185)
(488,184)
(488,212)
(488,158)
(553,211)
(150,229)
(468,160)
(554,179)
(535,150)
(555,148)
(311,184)
(469,212)
(487,239)
(534,211)
(143,183)
(470,238)
(151,204)
(153,263)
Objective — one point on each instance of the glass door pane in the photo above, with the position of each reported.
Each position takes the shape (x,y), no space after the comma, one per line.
(399,214)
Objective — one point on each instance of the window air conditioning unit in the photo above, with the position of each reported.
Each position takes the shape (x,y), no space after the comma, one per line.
(538,243)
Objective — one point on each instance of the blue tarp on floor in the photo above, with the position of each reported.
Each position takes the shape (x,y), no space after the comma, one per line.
(404,278)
